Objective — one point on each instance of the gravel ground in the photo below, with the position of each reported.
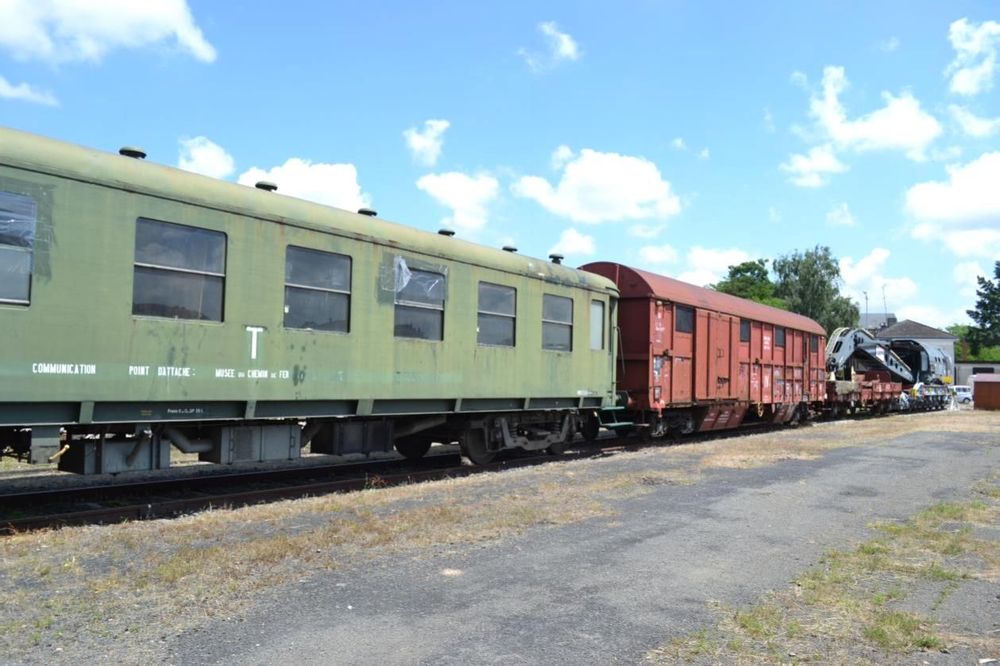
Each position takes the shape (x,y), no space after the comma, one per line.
(608,590)
(661,543)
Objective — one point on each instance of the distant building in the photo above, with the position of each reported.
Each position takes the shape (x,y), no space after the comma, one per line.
(929,337)
(966,371)
(876,321)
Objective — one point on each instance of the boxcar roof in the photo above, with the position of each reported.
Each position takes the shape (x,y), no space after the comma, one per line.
(636,283)
(36,153)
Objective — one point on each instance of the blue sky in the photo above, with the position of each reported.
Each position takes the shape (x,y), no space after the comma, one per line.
(680,137)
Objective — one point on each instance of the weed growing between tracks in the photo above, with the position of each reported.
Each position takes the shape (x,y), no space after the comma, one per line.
(870,603)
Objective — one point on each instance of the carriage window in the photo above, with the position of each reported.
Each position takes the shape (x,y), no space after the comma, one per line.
(779,337)
(497,318)
(683,319)
(17,242)
(557,323)
(597,324)
(180,271)
(420,306)
(317,290)
(744,330)
(814,343)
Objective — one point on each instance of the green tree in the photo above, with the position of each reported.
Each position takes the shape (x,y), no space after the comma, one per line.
(963,349)
(809,282)
(986,332)
(751,280)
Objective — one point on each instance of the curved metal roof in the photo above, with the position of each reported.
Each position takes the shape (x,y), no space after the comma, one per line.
(636,283)
(37,153)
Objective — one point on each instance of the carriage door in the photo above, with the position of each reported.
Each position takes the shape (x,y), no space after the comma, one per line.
(681,354)
(725,341)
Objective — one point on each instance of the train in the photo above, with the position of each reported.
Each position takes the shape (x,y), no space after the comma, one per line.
(147,309)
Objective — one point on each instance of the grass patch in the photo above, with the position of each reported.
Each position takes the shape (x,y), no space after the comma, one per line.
(762,621)
(896,631)
(849,603)
(881,598)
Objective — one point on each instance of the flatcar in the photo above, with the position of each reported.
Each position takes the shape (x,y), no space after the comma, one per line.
(145,308)
(694,359)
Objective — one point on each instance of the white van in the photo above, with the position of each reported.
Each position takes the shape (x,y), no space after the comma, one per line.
(963,394)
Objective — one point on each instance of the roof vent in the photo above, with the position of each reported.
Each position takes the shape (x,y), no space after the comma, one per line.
(370,212)
(509,248)
(266,185)
(133,152)
(556,258)
(447,232)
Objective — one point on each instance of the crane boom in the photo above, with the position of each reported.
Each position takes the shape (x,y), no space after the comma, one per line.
(856,349)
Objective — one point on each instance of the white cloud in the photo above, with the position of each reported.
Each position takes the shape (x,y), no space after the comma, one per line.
(26,93)
(972,124)
(962,212)
(799,79)
(679,144)
(890,45)
(863,270)
(426,145)
(467,196)
(899,125)
(949,154)
(868,275)
(841,216)
(966,274)
(658,254)
(646,230)
(560,156)
(601,187)
(701,266)
(704,154)
(561,48)
(962,242)
(572,242)
(975,56)
(707,266)
(933,316)
(814,168)
(330,184)
(561,45)
(203,156)
(773,214)
(971,194)
(56,31)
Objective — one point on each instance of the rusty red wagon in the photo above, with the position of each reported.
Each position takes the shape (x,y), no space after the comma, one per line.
(694,359)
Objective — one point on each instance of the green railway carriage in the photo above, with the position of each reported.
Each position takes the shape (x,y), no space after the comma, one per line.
(142,307)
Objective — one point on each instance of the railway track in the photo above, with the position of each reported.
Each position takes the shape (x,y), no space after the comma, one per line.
(86,505)
(143,500)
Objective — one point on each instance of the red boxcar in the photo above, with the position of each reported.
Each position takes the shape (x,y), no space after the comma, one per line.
(696,359)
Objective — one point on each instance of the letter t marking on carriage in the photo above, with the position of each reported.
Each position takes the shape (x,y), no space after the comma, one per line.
(254,332)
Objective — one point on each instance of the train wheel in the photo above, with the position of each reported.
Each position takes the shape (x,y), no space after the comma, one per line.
(473,445)
(413,447)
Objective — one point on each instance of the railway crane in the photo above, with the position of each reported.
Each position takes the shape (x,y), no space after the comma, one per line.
(866,372)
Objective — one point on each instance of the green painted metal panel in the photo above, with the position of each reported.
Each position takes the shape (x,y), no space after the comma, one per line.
(78,341)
